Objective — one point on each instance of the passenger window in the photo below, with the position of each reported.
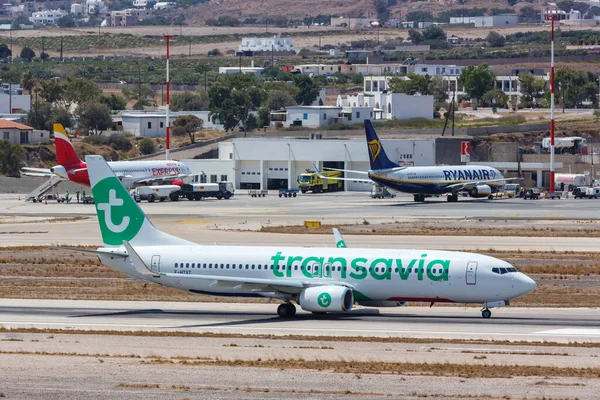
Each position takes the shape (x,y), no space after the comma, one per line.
(193,265)
(296,268)
(187,265)
(175,265)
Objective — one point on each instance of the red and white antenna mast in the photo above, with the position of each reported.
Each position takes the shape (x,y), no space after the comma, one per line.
(168,119)
(551,14)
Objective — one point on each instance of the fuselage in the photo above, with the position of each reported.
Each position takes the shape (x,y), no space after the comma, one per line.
(128,171)
(435,179)
(374,274)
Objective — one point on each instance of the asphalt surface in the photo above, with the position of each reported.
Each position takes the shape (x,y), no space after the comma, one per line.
(560,325)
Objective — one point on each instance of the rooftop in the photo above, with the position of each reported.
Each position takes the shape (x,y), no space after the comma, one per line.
(6,124)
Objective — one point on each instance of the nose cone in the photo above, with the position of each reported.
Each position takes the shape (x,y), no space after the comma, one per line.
(524,284)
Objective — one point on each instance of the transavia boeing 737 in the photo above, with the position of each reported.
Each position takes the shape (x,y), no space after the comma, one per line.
(320,280)
(70,167)
(477,181)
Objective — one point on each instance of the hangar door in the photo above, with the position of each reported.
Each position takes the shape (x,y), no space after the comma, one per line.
(277,175)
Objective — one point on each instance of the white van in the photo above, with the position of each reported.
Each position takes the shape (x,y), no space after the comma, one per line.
(153,193)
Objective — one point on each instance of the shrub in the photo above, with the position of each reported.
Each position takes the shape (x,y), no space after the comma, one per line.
(96,140)
(119,142)
(147,146)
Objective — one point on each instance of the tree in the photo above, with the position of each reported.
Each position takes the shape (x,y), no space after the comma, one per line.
(187,125)
(308,91)
(532,88)
(414,84)
(529,13)
(81,90)
(477,80)
(512,2)
(383,13)
(114,101)
(40,116)
(264,117)
(495,39)
(27,53)
(189,101)
(495,98)
(61,115)
(570,83)
(44,56)
(230,102)
(438,87)
(434,32)
(278,99)
(67,21)
(419,16)
(27,82)
(143,96)
(415,36)
(11,158)
(94,117)
(51,91)
(147,146)
(4,51)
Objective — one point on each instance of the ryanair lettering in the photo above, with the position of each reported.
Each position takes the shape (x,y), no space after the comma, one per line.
(361,268)
(469,175)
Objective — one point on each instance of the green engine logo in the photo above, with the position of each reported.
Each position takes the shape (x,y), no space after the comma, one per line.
(324,299)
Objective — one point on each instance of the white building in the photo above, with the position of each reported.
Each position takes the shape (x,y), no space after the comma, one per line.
(12,99)
(244,70)
(487,21)
(76,9)
(95,6)
(17,133)
(436,69)
(276,163)
(165,5)
(47,17)
(140,3)
(152,123)
(357,69)
(317,116)
(274,43)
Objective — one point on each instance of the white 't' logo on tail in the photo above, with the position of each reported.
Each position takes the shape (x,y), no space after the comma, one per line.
(107,207)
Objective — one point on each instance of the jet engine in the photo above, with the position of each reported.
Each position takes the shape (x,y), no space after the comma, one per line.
(481,191)
(328,298)
(382,303)
(60,171)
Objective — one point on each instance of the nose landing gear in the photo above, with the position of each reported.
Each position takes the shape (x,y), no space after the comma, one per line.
(485,313)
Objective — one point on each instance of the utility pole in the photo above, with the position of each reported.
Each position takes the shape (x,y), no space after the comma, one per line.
(139,83)
(552,15)
(43,48)
(11,49)
(61,49)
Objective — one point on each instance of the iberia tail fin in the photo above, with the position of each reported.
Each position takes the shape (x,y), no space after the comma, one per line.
(65,152)
(379,160)
(120,217)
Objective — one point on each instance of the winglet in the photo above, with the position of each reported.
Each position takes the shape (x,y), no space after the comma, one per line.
(339,240)
(137,262)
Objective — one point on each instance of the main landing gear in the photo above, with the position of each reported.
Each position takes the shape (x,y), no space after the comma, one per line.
(419,198)
(452,198)
(286,310)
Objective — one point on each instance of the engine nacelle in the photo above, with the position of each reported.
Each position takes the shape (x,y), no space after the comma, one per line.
(382,303)
(60,171)
(327,298)
(481,191)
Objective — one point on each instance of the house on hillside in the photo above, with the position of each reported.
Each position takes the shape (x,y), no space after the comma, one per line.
(17,133)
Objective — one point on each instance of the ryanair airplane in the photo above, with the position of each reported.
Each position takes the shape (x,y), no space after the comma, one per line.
(478,181)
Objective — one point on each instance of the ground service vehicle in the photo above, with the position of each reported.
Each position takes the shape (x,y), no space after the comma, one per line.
(310,181)
(513,190)
(380,192)
(579,192)
(592,192)
(288,192)
(257,193)
(570,181)
(153,193)
(532,194)
(197,191)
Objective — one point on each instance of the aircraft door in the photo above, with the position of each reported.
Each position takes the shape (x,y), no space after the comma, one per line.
(155,264)
(471,273)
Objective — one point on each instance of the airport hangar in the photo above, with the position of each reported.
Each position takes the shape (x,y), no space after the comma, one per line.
(266,163)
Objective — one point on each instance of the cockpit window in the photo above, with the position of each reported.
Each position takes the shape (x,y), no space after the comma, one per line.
(503,271)
(495,270)
(512,269)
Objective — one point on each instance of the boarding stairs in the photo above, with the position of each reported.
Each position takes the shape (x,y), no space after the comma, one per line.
(44,188)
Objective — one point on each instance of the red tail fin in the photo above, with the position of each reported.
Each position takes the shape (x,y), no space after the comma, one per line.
(65,152)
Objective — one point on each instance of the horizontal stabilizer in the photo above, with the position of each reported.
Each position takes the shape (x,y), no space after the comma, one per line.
(97,252)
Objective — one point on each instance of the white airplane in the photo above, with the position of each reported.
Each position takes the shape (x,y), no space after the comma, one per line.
(70,167)
(320,280)
(478,181)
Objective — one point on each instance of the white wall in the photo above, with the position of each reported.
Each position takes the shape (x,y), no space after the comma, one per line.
(16,101)
(405,106)
(137,123)
(315,116)
(213,167)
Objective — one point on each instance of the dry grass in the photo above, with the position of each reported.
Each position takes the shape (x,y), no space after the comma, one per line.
(390,368)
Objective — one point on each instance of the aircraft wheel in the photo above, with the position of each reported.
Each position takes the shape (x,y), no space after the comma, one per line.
(151,198)
(490,197)
(486,313)
(286,310)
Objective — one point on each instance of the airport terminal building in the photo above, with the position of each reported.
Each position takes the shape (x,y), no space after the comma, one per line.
(277,163)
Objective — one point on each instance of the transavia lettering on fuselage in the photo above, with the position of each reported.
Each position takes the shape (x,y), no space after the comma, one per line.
(361,268)
(469,175)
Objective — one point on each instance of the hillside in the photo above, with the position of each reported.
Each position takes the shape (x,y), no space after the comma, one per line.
(299,9)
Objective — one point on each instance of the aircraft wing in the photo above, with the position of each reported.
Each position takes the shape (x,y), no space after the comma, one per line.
(471,185)
(42,172)
(347,170)
(342,179)
(257,284)
(161,178)
(36,169)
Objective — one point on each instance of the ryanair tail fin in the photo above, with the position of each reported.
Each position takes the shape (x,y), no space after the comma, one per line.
(377,156)
(65,152)
(121,219)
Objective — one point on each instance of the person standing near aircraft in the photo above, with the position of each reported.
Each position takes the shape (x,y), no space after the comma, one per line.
(320,280)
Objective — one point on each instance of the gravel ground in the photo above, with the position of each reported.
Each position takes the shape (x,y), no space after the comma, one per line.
(88,375)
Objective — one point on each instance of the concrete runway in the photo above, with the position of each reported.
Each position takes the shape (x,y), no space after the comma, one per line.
(516,324)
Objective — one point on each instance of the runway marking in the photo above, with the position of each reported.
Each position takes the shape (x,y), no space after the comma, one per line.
(572,331)
(329,331)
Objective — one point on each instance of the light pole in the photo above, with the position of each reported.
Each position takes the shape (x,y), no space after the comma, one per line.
(167,116)
(552,16)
